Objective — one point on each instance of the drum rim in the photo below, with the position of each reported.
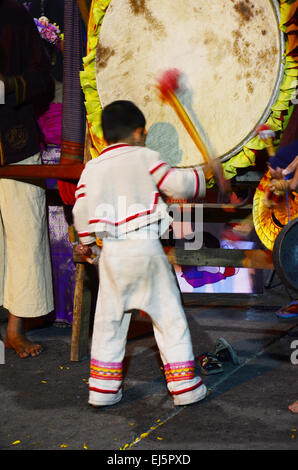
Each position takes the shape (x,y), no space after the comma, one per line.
(276,254)
(266,113)
(275,93)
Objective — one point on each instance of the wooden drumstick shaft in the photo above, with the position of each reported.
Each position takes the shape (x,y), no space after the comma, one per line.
(270,148)
(189,126)
(198,141)
(168,84)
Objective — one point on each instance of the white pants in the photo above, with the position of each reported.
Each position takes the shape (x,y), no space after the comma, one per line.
(25,265)
(136,274)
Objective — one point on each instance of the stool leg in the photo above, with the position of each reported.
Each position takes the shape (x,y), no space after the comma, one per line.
(81,316)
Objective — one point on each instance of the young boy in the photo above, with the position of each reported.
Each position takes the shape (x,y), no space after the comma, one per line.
(118,200)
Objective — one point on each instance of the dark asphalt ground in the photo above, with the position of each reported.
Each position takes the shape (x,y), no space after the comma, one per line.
(44,399)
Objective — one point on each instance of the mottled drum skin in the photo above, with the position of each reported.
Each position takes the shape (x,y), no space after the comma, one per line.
(229,54)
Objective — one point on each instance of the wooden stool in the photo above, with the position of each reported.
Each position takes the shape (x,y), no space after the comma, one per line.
(81,304)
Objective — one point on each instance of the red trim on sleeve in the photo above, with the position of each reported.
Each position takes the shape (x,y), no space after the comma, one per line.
(197,184)
(155,168)
(164,177)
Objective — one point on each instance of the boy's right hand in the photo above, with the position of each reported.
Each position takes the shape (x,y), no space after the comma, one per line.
(208,171)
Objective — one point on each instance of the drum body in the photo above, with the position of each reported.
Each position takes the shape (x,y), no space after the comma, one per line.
(229,54)
(285,254)
(270,221)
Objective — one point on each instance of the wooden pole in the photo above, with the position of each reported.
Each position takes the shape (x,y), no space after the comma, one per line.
(61,172)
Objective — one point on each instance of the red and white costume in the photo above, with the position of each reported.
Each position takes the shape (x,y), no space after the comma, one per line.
(119,200)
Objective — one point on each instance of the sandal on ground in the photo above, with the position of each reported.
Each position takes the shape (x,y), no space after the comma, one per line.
(210,364)
(290,311)
(224,352)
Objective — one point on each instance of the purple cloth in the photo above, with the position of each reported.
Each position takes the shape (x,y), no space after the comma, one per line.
(63,267)
(198,278)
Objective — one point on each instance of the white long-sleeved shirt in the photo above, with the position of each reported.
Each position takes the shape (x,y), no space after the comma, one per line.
(121,191)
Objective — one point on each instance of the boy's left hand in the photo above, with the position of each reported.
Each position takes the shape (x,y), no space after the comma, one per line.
(90,253)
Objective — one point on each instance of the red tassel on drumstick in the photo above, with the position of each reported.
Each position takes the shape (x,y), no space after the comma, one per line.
(168,85)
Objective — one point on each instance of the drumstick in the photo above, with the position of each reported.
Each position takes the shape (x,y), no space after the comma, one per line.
(168,85)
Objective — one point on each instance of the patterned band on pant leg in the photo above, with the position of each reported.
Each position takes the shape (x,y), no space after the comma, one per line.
(177,371)
(105,373)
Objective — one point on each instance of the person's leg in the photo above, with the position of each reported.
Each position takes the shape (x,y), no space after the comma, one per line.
(28,279)
(173,338)
(108,340)
(17,340)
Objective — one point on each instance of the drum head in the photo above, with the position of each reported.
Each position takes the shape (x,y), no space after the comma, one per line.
(228,52)
(285,255)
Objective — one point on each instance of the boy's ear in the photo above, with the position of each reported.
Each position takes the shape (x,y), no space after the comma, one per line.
(139,134)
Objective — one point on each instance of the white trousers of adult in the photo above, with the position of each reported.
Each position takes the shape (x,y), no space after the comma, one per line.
(136,274)
(25,264)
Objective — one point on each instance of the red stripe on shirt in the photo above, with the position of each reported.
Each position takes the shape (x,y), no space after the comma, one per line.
(80,195)
(131,217)
(81,186)
(113,147)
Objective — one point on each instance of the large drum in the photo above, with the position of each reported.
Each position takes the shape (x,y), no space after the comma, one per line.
(228,51)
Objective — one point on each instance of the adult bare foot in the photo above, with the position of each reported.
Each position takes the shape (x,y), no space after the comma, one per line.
(16,339)
(294,407)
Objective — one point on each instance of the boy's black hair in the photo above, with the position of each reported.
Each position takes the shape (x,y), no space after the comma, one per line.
(120,119)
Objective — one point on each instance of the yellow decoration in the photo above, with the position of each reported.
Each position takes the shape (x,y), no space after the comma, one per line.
(268,222)
(88,81)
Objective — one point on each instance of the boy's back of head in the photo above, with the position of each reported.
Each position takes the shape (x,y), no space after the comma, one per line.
(120,119)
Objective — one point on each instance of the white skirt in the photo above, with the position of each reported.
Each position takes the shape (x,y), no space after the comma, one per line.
(25,264)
